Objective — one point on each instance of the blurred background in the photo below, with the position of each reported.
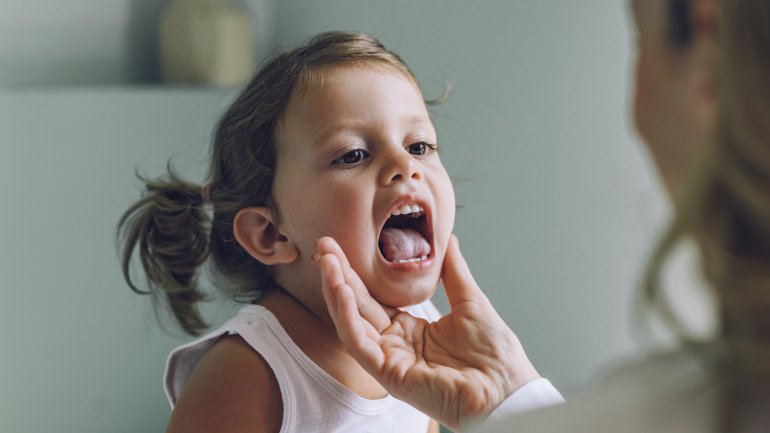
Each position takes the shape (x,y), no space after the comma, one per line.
(558,202)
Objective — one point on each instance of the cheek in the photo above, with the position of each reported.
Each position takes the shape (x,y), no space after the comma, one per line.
(325,209)
(450,208)
(446,207)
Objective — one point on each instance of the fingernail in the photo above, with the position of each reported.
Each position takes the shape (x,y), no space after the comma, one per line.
(315,258)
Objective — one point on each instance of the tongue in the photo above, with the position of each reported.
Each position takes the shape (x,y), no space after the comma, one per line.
(403,244)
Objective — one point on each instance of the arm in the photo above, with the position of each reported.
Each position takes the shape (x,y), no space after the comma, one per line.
(433,427)
(457,370)
(232,390)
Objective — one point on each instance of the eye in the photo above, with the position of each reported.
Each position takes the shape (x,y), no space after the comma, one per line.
(352,157)
(421,148)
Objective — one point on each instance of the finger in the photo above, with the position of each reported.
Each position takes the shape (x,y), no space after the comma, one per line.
(374,312)
(327,245)
(357,335)
(331,277)
(457,278)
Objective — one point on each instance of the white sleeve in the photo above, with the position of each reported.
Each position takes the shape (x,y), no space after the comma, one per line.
(536,394)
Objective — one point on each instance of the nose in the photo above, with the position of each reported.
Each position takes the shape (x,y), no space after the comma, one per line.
(399,166)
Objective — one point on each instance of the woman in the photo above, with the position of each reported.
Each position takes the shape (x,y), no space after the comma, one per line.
(702,105)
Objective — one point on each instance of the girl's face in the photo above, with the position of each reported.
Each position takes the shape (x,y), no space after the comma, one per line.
(356,148)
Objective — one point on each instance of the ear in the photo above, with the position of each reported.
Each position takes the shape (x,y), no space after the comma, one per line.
(256,231)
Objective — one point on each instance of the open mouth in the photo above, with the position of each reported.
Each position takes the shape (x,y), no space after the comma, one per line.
(406,236)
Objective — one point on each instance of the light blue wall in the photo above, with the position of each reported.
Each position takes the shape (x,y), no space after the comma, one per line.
(81,352)
(558,203)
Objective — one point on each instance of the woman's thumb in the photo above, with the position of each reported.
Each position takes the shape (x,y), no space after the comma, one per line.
(456,276)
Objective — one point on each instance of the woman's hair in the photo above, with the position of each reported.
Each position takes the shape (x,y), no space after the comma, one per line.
(725,204)
(169,225)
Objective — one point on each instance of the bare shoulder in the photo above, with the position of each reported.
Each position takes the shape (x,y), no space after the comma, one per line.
(233,389)
(434,426)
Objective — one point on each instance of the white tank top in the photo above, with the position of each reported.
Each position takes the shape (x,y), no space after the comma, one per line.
(313,401)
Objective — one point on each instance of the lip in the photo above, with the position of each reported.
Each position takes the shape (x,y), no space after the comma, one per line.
(397,203)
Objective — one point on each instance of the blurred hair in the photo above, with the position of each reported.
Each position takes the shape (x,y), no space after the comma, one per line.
(725,204)
(170,230)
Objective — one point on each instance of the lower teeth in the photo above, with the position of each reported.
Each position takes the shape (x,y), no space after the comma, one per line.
(416,259)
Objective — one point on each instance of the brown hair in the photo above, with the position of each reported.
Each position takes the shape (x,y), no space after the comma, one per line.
(169,225)
(725,208)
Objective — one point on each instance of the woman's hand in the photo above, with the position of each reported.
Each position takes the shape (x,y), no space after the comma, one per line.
(456,370)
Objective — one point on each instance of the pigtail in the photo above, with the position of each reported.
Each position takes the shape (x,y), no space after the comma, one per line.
(168,228)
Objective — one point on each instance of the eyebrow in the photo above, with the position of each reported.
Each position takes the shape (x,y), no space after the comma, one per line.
(357,125)
(335,130)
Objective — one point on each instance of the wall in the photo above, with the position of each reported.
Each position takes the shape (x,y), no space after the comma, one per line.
(82,353)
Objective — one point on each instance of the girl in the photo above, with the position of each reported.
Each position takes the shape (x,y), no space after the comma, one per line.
(332,138)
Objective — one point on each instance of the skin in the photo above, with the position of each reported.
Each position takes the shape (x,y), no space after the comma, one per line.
(350,147)
(448,368)
(674,90)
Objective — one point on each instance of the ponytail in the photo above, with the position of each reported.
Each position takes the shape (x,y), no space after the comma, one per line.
(169,227)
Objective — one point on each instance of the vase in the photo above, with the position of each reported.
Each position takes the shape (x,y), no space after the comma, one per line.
(208,42)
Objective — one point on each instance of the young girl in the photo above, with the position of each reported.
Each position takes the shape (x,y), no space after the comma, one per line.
(330,139)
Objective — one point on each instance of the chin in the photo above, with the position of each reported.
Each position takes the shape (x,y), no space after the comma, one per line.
(399,297)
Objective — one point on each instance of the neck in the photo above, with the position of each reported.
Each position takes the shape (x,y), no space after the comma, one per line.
(314,333)
(281,302)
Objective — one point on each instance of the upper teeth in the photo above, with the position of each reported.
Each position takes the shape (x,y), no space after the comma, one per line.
(408,209)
